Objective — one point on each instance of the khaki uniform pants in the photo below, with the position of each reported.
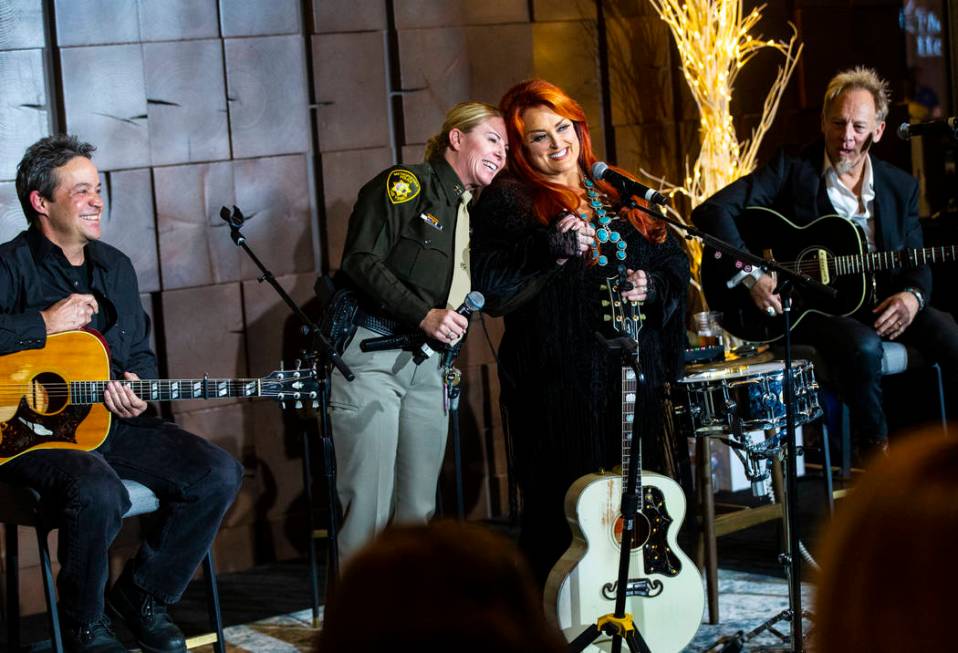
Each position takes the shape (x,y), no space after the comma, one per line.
(389,430)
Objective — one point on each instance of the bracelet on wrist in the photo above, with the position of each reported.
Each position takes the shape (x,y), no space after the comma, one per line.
(918,295)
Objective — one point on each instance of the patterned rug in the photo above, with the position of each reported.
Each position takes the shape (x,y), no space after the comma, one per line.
(745,602)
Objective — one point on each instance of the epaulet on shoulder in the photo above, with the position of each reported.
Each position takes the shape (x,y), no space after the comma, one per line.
(403,184)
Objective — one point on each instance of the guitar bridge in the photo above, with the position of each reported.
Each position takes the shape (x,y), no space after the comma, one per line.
(823,267)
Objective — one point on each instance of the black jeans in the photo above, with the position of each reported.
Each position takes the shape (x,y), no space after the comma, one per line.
(195,480)
(853,353)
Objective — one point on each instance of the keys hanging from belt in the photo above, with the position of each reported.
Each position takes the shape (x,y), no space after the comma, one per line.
(451,378)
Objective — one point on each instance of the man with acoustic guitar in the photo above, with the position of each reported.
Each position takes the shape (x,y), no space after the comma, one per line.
(57,277)
(838,175)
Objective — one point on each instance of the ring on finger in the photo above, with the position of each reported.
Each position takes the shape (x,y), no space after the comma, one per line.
(770,310)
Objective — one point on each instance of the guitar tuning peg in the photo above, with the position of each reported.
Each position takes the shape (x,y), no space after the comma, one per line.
(299,363)
(282,365)
(315,404)
(282,405)
(606,318)
(603,287)
(299,405)
(605,302)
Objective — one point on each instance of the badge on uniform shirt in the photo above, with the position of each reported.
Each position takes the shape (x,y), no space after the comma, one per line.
(401,186)
(431,220)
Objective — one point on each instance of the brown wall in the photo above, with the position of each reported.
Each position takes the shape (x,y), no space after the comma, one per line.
(285,108)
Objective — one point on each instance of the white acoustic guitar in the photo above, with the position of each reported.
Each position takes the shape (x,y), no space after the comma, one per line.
(665,594)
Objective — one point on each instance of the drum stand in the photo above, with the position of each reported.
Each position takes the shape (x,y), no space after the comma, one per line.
(789,558)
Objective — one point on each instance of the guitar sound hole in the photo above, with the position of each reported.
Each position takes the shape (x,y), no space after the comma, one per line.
(642,530)
(47,393)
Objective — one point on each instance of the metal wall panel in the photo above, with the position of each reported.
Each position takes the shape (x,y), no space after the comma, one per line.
(94,22)
(21,24)
(350,89)
(171,20)
(12,220)
(100,22)
(195,249)
(434,67)
(273,194)
(128,222)
(105,98)
(186,102)
(348,16)
(266,82)
(344,173)
(411,14)
(23,106)
(204,334)
(255,18)
(443,66)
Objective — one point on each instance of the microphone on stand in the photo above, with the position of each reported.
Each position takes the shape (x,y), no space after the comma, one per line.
(628,187)
(943,125)
(473,302)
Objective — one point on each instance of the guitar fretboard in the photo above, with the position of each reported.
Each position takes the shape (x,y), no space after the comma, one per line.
(91,392)
(629,387)
(877,261)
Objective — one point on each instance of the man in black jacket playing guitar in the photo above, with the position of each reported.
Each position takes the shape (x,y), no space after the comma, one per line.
(57,277)
(839,176)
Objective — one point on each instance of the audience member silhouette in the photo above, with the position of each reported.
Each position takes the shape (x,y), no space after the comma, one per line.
(889,570)
(447,586)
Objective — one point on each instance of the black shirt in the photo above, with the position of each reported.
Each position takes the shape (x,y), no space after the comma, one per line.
(35,274)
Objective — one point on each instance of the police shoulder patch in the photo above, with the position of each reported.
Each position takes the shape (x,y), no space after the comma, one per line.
(401,186)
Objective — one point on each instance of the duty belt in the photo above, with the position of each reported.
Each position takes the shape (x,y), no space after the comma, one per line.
(384,326)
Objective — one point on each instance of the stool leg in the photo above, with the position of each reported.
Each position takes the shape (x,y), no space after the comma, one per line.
(707,537)
(827,470)
(941,398)
(13,586)
(213,601)
(49,590)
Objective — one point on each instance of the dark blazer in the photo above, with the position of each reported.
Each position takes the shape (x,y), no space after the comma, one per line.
(793,185)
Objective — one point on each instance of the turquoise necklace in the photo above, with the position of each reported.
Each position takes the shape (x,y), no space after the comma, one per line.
(604,233)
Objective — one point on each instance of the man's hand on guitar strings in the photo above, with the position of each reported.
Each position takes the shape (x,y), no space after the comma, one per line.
(70,313)
(120,399)
(764,296)
(895,314)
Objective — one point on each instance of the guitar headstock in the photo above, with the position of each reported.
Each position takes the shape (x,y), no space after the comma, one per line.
(625,317)
(298,385)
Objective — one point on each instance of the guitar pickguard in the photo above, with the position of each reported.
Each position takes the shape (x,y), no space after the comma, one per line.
(659,557)
(27,428)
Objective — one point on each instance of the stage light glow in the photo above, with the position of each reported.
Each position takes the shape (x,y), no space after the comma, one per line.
(714,42)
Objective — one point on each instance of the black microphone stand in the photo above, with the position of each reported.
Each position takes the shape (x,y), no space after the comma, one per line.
(620,625)
(787,280)
(320,355)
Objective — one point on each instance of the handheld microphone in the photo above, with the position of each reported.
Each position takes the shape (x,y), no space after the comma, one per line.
(473,302)
(907,130)
(628,187)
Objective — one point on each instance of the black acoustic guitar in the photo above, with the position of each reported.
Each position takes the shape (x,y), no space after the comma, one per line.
(831,250)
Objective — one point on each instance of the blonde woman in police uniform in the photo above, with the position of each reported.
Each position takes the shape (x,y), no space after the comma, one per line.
(406,255)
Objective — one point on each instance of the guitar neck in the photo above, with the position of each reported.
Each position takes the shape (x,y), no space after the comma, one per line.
(91,392)
(629,387)
(878,261)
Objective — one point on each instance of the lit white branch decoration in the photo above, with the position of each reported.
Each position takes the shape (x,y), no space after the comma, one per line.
(714,43)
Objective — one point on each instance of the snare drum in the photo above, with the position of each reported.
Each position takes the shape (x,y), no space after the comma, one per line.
(749,397)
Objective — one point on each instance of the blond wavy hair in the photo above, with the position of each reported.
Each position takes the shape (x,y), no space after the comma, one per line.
(464,116)
(863,78)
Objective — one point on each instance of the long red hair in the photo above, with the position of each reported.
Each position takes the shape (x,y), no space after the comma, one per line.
(551,199)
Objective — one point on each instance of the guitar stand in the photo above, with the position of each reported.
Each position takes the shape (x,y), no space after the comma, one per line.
(620,625)
(322,355)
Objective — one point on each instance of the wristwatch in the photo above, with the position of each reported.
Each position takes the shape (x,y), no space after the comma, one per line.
(918,295)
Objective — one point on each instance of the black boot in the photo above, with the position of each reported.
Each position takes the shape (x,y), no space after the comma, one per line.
(146,617)
(95,637)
